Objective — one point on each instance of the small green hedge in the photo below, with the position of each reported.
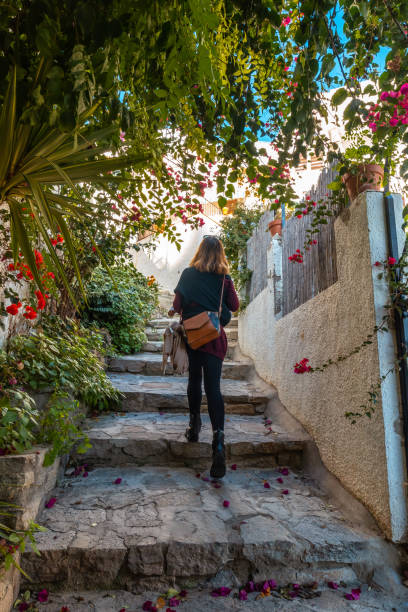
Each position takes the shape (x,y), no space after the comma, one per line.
(121,302)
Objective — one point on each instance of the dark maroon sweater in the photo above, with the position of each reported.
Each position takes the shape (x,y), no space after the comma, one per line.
(217,347)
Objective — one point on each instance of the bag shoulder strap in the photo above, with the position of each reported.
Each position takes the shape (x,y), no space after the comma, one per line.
(222,295)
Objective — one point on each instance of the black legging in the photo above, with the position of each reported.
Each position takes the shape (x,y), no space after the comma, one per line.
(200,361)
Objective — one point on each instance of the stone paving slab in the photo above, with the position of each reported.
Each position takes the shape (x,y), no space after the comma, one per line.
(158,439)
(150,364)
(149,393)
(329,601)
(160,525)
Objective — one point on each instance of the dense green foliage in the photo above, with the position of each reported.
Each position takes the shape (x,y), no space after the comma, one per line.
(64,357)
(236,231)
(121,302)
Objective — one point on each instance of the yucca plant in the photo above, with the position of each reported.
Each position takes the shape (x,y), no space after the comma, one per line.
(35,159)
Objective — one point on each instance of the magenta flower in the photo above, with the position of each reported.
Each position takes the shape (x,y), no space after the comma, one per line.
(267,485)
(272,584)
(173,601)
(284,471)
(333,585)
(354,595)
(243,595)
(384,95)
(122,136)
(296,586)
(42,596)
(221,592)
(280,480)
(225,503)
(285,492)
(51,502)
(205,478)
(234,466)
(392,261)
(118,481)
(250,587)
(85,475)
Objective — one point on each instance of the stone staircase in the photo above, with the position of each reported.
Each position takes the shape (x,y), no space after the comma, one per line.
(147,516)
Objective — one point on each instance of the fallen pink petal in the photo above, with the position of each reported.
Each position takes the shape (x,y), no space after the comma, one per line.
(173,601)
(42,596)
(333,585)
(243,595)
(284,471)
(225,503)
(221,592)
(50,503)
(280,480)
(267,485)
(234,466)
(118,481)
(285,492)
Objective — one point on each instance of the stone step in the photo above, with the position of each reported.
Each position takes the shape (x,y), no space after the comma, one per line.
(156,346)
(156,333)
(150,364)
(158,439)
(159,525)
(154,393)
(163,322)
(323,599)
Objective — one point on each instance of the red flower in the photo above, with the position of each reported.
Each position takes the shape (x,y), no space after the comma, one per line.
(41,300)
(60,239)
(39,260)
(11,267)
(13,308)
(30,313)
(51,275)
(302,367)
(377,264)
(392,261)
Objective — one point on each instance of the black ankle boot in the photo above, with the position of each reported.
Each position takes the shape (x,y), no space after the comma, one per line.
(194,428)
(218,448)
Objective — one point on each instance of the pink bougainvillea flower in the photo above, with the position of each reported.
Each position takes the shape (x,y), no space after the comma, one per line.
(267,485)
(286,68)
(302,366)
(243,595)
(285,492)
(268,422)
(354,595)
(333,585)
(377,264)
(272,584)
(250,586)
(85,475)
(221,592)
(117,481)
(284,471)
(42,596)
(234,467)
(205,478)
(51,502)
(280,480)
(392,261)
(225,503)
(173,601)
(296,586)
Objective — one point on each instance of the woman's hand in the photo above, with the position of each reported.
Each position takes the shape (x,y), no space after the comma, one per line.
(171,312)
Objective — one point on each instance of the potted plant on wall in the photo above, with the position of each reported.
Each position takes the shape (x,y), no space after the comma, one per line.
(360,170)
(275,226)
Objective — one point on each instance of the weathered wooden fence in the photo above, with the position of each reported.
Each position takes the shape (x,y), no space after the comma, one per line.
(302,281)
(257,256)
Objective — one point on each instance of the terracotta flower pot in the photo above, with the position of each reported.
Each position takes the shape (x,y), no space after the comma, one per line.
(368,177)
(275,227)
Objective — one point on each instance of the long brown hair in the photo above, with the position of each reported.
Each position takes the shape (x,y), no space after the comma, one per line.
(210,256)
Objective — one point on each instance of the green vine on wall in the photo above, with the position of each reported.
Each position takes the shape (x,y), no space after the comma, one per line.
(237,229)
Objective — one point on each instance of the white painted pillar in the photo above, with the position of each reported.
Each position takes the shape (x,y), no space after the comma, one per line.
(390,390)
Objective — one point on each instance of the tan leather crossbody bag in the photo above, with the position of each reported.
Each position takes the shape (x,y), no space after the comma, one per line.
(204,327)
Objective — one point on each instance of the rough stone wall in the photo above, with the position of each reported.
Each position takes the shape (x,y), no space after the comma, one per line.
(330,324)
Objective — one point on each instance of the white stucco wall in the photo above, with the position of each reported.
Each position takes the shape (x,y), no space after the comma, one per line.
(166,262)
(365,457)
